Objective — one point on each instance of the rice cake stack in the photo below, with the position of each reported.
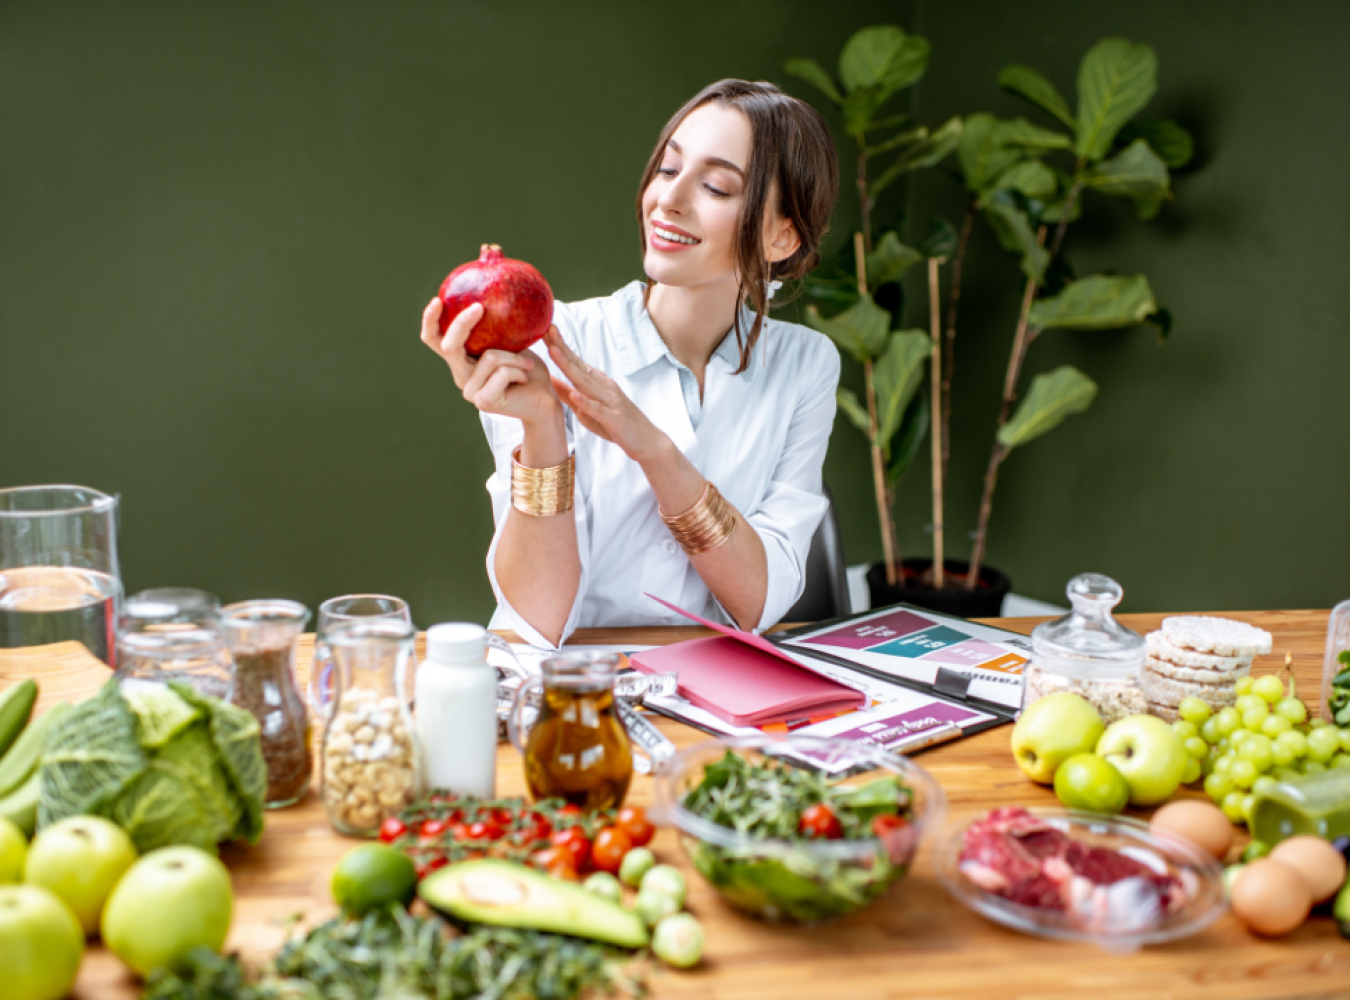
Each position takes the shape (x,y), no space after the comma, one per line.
(1198,657)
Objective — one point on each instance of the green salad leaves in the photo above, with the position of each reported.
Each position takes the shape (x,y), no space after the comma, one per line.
(168,765)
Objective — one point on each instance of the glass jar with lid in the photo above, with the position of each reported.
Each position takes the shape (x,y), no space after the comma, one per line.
(194,655)
(1089,653)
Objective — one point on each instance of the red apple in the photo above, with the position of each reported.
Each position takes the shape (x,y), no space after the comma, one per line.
(517,302)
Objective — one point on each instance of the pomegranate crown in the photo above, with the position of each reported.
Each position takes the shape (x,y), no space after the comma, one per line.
(490,252)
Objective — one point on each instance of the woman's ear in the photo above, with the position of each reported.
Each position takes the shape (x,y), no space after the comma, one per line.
(784,241)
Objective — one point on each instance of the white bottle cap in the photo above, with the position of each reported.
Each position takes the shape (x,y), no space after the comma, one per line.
(457,642)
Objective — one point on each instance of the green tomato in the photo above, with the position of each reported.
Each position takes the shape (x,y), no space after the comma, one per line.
(1242,773)
(1194,711)
(635,864)
(1228,721)
(1324,743)
(653,905)
(1244,685)
(1273,725)
(604,885)
(678,940)
(1232,806)
(1185,729)
(1292,709)
(666,880)
(1269,688)
(1217,786)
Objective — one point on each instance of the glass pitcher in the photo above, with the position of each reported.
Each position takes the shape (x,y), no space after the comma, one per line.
(578,748)
(261,637)
(369,757)
(59,577)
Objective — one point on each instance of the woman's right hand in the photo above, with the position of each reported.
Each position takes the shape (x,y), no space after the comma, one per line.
(509,385)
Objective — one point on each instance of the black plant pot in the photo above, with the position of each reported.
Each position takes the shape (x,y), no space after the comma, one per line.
(985,601)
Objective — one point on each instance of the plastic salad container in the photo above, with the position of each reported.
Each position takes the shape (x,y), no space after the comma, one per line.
(1121,915)
(801,880)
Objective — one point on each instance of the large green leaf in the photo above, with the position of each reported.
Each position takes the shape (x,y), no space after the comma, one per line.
(1020,132)
(1015,232)
(1052,397)
(1097,302)
(814,73)
(890,259)
(1026,82)
(883,56)
(859,331)
(940,240)
(927,152)
(905,444)
(236,734)
(1031,177)
(898,374)
(1170,141)
(859,108)
(1115,80)
(854,410)
(982,151)
(1134,172)
(91,754)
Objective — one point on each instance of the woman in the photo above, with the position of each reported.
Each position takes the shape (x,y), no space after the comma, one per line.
(607,452)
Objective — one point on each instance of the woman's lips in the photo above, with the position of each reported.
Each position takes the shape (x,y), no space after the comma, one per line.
(676,240)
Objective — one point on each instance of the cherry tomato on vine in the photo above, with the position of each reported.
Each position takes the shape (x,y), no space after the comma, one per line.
(820,822)
(536,827)
(557,861)
(611,844)
(433,828)
(503,817)
(391,829)
(633,821)
(439,861)
(576,843)
(484,830)
(571,809)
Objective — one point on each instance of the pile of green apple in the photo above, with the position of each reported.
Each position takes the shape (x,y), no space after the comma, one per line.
(1062,740)
(81,877)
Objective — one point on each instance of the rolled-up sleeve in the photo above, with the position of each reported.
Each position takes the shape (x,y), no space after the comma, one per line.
(787,517)
(504,435)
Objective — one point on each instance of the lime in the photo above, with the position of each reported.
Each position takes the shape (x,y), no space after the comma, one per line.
(373,875)
(1086,781)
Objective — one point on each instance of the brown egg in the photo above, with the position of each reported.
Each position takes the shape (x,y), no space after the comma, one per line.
(1202,823)
(1271,898)
(1318,862)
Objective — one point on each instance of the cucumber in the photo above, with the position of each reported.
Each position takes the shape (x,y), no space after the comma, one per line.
(23,757)
(16,705)
(20,806)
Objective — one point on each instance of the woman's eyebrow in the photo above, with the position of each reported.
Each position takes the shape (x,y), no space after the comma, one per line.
(714,161)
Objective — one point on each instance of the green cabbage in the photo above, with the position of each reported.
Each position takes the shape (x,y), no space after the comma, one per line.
(168,765)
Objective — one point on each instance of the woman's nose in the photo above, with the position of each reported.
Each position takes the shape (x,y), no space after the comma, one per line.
(674,197)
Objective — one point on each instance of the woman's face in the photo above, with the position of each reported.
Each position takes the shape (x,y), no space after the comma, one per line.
(690,208)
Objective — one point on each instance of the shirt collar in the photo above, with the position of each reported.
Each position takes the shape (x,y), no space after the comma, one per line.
(645,346)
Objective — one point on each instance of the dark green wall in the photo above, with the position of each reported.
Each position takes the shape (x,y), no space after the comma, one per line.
(219,222)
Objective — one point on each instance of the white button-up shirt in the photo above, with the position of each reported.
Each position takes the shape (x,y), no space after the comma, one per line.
(759,436)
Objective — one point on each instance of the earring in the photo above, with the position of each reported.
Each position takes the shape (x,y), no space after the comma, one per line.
(770,287)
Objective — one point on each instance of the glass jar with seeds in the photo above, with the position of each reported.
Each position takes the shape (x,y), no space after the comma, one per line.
(369,758)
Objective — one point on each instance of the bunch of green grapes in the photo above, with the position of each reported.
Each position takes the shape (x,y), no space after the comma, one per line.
(1266,737)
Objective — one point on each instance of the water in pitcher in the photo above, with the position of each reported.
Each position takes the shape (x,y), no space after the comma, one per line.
(45,604)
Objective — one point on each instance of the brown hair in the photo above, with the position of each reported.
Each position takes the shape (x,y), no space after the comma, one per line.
(790,148)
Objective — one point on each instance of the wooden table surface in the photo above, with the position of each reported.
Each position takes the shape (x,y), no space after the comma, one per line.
(914,942)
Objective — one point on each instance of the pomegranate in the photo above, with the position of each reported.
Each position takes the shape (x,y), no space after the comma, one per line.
(517,302)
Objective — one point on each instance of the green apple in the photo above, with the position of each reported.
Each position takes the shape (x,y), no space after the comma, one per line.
(80,859)
(13,850)
(168,902)
(1148,754)
(40,944)
(1051,730)
(1086,781)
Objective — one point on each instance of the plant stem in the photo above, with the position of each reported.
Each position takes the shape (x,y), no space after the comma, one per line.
(1021,339)
(949,347)
(1075,189)
(888,545)
(864,201)
(935,317)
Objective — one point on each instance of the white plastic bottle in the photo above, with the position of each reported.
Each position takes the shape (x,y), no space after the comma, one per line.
(456,713)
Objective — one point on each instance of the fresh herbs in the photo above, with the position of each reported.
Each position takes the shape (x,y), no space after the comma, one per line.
(783,874)
(391,955)
(1339,699)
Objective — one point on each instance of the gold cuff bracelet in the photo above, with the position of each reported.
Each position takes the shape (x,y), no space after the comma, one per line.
(542,492)
(705,525)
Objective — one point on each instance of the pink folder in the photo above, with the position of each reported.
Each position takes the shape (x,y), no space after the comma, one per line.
(744,679)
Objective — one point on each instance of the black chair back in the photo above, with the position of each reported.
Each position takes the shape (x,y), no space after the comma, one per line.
(826,592)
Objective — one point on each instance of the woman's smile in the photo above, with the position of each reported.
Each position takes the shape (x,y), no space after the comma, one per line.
(671,239)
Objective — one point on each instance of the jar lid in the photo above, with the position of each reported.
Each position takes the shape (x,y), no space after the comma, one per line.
(1088,642)
(457,642)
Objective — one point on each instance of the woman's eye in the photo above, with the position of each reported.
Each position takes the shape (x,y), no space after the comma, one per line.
(716,193)
(667,171)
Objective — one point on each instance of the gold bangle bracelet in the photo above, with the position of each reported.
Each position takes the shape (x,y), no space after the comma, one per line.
(542,492)
(705,525)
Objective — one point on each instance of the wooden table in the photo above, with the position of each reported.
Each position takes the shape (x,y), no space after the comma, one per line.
(914,942)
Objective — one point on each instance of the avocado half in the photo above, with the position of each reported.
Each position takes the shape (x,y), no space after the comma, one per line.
(512,895)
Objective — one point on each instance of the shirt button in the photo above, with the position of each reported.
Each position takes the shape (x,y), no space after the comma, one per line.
(669,546)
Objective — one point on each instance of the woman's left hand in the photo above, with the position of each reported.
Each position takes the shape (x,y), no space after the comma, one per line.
(600,404)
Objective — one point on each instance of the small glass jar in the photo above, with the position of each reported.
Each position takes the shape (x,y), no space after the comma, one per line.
(1089,653)
(369,758)
(170,609)
(261,636)
(196,656)
(1336,668)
